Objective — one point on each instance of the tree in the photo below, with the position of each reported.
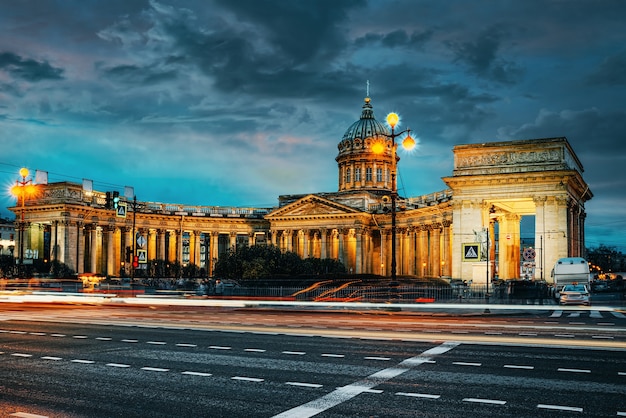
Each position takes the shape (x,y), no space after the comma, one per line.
(608,259)
(263,261)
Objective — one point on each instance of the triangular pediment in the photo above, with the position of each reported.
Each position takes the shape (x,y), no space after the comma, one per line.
(312,205)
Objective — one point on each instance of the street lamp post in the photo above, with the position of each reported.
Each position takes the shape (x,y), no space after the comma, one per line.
(20,189)
(408,143)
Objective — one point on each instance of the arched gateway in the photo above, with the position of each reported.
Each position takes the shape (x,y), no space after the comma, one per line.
(494,186)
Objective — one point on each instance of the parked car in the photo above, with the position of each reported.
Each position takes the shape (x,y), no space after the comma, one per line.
(575,294)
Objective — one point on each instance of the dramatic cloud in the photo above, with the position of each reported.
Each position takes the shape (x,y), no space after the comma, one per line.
(234,102)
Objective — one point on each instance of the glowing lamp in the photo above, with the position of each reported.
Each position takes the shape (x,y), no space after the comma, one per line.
(392,119)
(408,143)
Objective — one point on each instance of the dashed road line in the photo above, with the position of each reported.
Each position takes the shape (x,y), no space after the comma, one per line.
(294,353)
(333,355)
(303,384)
(21,355)
(247,379)
(197,373)
(155,369)
(377,358)
(81,361)
(487,401)
(573,370)
(156,342)
(418,395)
(219,347)
(514,366)
(119,365)
(27,415)
(52,358)
(255,350)
(186,345)
(462,363)
(104,338)
(560,407)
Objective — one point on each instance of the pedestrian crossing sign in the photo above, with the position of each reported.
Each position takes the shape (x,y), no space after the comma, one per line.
(120,211)
(142,256)
(471,251)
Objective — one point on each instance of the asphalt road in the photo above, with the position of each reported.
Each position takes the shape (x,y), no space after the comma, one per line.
(163,362)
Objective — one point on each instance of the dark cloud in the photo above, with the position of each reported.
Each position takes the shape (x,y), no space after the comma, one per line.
(482,56)
(397,38)
(28,69)
(611,72)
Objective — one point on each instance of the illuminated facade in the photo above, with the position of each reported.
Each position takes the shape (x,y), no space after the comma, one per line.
(492,187)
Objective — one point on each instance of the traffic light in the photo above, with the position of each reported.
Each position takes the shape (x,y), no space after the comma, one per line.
(109,201)
(136,261)
(116,199)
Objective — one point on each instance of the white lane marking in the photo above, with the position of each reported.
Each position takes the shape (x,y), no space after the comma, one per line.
(595,314)
(418,395)
(130,341)
(560,407)
(155,369)
(294,353)
(618,314)
(27,415)
(122,366)
(305,385)
(621,414)
(18,332)
(513,366)
(527,334)
(156,342)
(378,358)
(564,335)
(57,335)
(489,401)
(621,373)
(197,374)
(255,350)
(21,355)
(83,361)
(219,347)
(333,355)
(610,324)
(574,315)
(36,333)
(185,345)
(606,337)
(104,338)
(462,363)
(348,392)
(247,379)
(556,314)
(573,370)
(80,337)
(51,358)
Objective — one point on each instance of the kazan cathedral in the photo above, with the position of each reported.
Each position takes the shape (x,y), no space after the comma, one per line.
(469,231)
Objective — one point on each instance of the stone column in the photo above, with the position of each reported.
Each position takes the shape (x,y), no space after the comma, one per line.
(162,246)
(110,258)
(509,244)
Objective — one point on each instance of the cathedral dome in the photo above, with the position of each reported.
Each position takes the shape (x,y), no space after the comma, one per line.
(366,126)
(366,155)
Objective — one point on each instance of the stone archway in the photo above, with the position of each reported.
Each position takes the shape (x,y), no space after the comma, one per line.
(497,184)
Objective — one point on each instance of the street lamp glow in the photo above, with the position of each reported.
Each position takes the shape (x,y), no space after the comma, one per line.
(24,172)
(378,147)
(408,143)
(392,119)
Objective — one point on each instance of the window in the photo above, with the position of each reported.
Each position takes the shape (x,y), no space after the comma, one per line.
(368,174)
(387,179)
(357,174)
(379,175)
(348,173)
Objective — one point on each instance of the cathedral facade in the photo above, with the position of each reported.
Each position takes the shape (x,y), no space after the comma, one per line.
(471,230)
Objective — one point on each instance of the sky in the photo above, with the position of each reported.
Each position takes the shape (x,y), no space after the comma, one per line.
(235,102)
